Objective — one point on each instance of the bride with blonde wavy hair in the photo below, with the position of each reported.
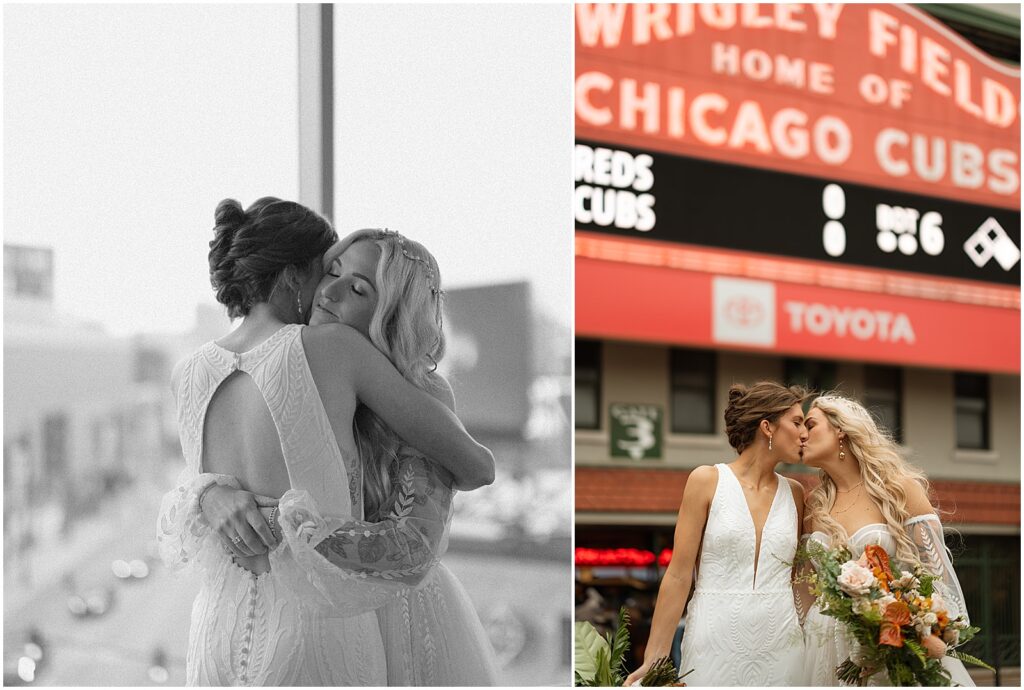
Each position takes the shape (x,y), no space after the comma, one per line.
(385,554)
(869,494)
(432,634)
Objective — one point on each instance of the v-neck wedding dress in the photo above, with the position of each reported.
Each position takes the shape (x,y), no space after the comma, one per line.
(741,625)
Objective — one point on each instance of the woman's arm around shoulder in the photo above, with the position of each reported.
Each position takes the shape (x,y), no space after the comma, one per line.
(422,421)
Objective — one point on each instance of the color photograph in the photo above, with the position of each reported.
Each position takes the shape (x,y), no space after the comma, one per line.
(797,366)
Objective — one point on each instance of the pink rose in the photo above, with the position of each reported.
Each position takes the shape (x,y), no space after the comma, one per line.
(855,579)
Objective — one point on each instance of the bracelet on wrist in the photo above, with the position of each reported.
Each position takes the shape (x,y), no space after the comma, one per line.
(202,495)
(272,521)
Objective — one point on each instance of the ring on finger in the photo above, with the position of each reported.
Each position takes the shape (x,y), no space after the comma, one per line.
(237,540)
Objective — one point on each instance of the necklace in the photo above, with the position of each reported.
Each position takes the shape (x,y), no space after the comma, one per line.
(850,489)
(852,503)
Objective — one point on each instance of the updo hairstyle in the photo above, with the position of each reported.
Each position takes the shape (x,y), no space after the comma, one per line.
(252,249)
(749,405)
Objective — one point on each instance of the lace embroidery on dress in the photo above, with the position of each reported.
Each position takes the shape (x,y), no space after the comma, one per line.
(926,532)
(276,628)
(395,552)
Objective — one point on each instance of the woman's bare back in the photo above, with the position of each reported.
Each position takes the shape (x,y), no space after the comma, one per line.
(241,440)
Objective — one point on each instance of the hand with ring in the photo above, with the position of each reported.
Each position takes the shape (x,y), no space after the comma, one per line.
(235,515)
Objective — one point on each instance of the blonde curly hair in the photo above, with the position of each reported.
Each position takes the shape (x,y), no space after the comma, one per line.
(883,469)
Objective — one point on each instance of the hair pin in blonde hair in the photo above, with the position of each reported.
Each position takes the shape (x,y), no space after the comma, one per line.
(400,238)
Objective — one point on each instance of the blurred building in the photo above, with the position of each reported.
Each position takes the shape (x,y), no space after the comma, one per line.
(827,195)
(77,426)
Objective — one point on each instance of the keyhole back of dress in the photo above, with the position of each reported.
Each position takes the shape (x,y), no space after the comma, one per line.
(240,439)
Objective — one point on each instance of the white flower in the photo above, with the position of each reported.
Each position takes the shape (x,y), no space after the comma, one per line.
(861,605)
(855,579)
(930,619)
(951,636)
(906,581)
(938,603)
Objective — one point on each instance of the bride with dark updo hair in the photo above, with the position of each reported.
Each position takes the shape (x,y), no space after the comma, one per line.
(267,411)
(735,542)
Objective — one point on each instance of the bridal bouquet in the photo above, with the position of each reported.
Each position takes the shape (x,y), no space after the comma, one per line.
(897,619)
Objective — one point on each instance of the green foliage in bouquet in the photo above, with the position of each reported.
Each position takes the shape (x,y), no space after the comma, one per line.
(601,661)
(885,639)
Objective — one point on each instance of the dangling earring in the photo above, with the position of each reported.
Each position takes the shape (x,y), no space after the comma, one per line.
(769,442)
(298,301)
(842,455)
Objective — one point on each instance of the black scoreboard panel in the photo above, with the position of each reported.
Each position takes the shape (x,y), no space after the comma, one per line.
(702,202)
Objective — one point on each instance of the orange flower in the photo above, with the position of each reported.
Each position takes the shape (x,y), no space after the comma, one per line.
(896,614)
(878,561)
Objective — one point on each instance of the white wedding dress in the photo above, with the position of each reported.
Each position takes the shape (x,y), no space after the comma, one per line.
(741,625)
(827,642)
(421,628)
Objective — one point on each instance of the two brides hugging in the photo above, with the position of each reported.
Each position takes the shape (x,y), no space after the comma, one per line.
(752,619)
(322,455)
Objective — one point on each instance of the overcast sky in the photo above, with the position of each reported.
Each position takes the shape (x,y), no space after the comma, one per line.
(124,125)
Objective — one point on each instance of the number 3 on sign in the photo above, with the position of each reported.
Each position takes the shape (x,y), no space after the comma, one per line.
(636,431)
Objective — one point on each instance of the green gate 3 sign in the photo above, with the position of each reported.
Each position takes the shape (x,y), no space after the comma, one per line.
(636,431)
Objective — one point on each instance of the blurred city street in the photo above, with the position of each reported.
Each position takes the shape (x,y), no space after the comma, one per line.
(140,639)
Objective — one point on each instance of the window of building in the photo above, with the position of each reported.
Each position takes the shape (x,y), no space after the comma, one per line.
(28,271)
(971,402)
(883,396)
(818,376)
(588,384)
(693,391)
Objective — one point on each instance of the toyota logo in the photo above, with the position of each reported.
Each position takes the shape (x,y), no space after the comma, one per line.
(744,311)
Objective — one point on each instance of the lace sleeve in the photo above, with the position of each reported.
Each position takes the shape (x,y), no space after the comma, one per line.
(389,555)
(926,532)
(181,527)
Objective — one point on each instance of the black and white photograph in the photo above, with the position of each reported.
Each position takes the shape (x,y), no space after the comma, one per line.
(287,345)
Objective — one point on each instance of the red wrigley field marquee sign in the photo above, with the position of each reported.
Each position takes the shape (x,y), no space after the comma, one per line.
(808,179)
(880,95)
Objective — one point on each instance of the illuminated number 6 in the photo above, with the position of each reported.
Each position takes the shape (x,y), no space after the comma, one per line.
(932,239)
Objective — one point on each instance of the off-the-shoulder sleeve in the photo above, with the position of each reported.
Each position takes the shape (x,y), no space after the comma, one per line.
(926,532)
(182,529)
(385,556)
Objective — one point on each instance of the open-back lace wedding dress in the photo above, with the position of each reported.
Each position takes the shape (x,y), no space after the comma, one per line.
(346,602)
